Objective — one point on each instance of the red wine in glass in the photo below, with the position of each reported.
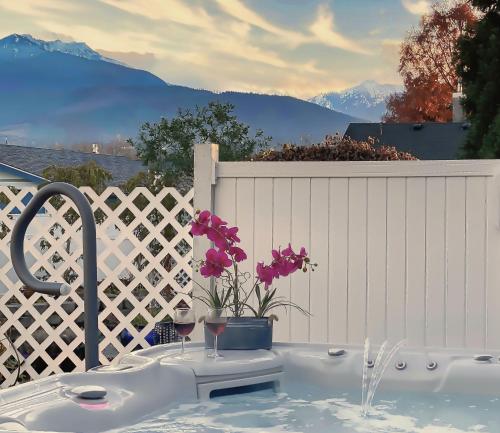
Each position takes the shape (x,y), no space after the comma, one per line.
(184,329)
(184,320)
(216,328)
(215,321)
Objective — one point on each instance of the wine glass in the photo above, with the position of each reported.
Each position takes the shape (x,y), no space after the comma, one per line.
(215,321)
(184,321)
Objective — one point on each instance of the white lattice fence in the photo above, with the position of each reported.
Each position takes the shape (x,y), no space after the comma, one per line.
(144,252)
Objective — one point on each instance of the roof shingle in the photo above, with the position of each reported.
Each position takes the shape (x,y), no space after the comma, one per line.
(35,160)
(430,140)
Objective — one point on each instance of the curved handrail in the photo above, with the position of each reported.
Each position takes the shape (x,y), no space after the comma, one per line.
(89,260)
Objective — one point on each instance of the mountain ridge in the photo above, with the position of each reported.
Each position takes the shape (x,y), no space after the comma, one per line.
(366,100)
(15,41)
(51,96)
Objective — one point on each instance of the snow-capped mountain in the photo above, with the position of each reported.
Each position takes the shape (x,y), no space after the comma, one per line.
(52,91)
(22,46)
(366,100)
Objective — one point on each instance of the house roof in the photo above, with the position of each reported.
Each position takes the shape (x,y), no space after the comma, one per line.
(430,140)
(19,175)
(33,160)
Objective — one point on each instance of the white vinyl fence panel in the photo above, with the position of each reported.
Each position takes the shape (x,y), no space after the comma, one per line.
(406,249)
(144,271)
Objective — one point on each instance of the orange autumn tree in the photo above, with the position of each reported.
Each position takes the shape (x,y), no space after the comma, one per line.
(428,67)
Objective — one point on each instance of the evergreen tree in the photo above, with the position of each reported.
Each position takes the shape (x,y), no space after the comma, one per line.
(87,174)
(479,70)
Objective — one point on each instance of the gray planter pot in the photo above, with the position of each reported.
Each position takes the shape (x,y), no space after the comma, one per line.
(243,333)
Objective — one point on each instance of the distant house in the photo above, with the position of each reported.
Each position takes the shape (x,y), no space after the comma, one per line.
(12,176)
(23,166)
(430,140)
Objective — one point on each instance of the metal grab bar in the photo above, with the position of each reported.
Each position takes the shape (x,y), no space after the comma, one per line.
(89,260)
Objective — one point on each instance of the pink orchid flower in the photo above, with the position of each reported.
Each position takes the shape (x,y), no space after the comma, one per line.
(227,253)
(265,274)
(199,226)
(284,263)
(216,230)
(288,251)
(238,254)
(217,221)
(215,262)
(218,237)
(231,234)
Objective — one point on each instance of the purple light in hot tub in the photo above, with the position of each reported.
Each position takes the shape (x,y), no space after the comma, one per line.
(94,406)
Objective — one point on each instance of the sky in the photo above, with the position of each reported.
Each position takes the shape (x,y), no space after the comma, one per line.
(294,47)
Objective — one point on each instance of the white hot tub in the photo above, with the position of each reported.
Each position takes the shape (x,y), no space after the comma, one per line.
(292,388)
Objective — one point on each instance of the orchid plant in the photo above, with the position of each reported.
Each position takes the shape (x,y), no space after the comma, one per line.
(233,288)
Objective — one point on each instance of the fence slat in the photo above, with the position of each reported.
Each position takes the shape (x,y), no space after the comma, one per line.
(435,262)
(475,263)
(318,279)
(245,220)
(376,246)
(338,244)
(493,259)
(356,321)
(263,233)
(455,260)
(415,259)
(301,205)
(396,259)
(282,229)
(225,200)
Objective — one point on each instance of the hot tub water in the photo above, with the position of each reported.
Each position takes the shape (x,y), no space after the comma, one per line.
(308,409)
(301,388)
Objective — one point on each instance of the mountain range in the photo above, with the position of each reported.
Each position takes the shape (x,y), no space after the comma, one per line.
(67,93)
(366,100)
(22,46)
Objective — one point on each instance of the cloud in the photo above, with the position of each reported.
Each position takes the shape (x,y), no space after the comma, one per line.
(324,30)
(227,38)
(111,39)
(375,31)
(131,58)
(390,50)
(417,7)
(237,9)
(297,82)
(172,10)
(222,44)
(38,8)
(48,35)
(390,53)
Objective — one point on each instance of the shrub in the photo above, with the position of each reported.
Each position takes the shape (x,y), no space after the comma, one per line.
(335,148)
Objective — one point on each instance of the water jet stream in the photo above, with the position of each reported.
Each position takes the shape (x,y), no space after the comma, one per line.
(369,387)
(364,381)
